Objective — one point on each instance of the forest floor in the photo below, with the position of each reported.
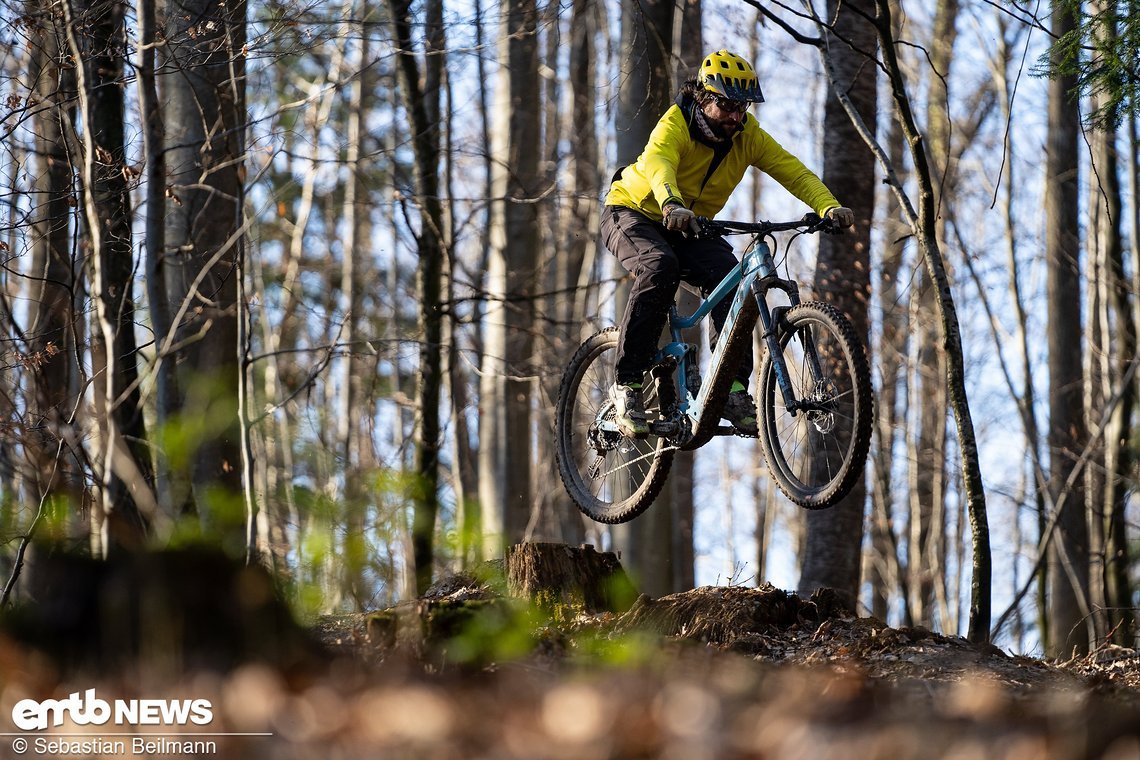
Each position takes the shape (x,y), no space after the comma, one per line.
(729,672)
(468,673)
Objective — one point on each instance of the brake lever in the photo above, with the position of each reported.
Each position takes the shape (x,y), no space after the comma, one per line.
(822,224)
(707,228)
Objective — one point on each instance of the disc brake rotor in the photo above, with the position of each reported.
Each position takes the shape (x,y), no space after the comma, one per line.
(821,406)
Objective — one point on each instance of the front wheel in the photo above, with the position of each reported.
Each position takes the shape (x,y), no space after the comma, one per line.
(816,450)
(610,477)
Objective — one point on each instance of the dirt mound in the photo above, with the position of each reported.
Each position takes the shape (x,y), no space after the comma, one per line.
(472,672)
(766,625)
(763,673)
(723,615)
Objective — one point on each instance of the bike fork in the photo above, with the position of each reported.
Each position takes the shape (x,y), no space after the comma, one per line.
(770,320)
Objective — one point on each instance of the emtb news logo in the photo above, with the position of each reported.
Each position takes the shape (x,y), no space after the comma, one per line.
(90,710)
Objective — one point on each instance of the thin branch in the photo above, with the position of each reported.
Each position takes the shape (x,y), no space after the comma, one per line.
(1029,19)
(1009,112)
(891,177)
(792,31)
(1070,483)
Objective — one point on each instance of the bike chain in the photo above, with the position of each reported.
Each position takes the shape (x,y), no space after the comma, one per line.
(593,469)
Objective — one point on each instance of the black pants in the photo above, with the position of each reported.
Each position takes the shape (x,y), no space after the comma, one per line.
(659,260)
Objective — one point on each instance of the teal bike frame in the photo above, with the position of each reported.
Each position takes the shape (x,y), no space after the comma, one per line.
(692,421)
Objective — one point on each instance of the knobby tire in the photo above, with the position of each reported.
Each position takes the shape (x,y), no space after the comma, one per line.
(816,458)
(623,484)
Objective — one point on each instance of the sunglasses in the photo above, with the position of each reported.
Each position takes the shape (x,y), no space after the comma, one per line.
(728,104)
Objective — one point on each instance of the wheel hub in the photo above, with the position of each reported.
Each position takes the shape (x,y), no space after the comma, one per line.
(820,406)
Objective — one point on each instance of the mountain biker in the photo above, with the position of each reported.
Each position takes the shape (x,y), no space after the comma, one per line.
(696,156)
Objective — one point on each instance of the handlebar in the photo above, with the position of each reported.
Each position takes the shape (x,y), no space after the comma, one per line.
(810,223)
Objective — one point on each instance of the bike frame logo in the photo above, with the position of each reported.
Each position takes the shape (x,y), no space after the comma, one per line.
(89,710)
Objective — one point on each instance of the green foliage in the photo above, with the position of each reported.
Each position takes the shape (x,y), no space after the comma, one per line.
(596,646)
(348,551)
(1103,54)
(56,524)
(484,632)
(210,412)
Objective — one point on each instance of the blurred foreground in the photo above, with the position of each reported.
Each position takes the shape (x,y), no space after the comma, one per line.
(208,664)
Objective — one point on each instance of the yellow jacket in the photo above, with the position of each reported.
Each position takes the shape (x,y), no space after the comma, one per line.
(675,165)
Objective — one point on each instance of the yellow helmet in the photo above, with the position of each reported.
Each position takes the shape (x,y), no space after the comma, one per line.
(730,75)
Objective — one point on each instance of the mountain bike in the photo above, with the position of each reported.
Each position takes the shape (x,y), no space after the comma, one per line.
(813,391)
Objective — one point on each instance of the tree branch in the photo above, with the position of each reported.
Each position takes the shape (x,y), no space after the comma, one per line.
(792,31)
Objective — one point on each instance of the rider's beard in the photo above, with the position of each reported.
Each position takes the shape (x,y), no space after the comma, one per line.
(725,128)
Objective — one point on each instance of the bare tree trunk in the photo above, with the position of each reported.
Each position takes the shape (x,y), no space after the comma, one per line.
(1104,251)
(155,182)
(583,181)
(16,156)
(1097,382)
(1117,310)
(764,498)
(1068,570)
(689,47)
(505,404)
(53,284)
(465,476)
(484,246)
(125,461)
(581,211)
(278,507)
(923,224)
(1119,582)
(888,575)
(833,556)
(646,73)
(928,498)
(424,107)
(205,125)
(1027,403)
(645,93)
(549,507)
(350,416)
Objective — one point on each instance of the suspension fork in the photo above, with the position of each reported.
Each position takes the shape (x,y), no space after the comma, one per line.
(763,280)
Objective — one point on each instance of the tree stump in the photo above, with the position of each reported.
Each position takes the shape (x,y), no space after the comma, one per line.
(566,580)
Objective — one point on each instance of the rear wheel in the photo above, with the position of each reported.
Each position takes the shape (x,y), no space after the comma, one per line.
(610,477)
(816,452)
